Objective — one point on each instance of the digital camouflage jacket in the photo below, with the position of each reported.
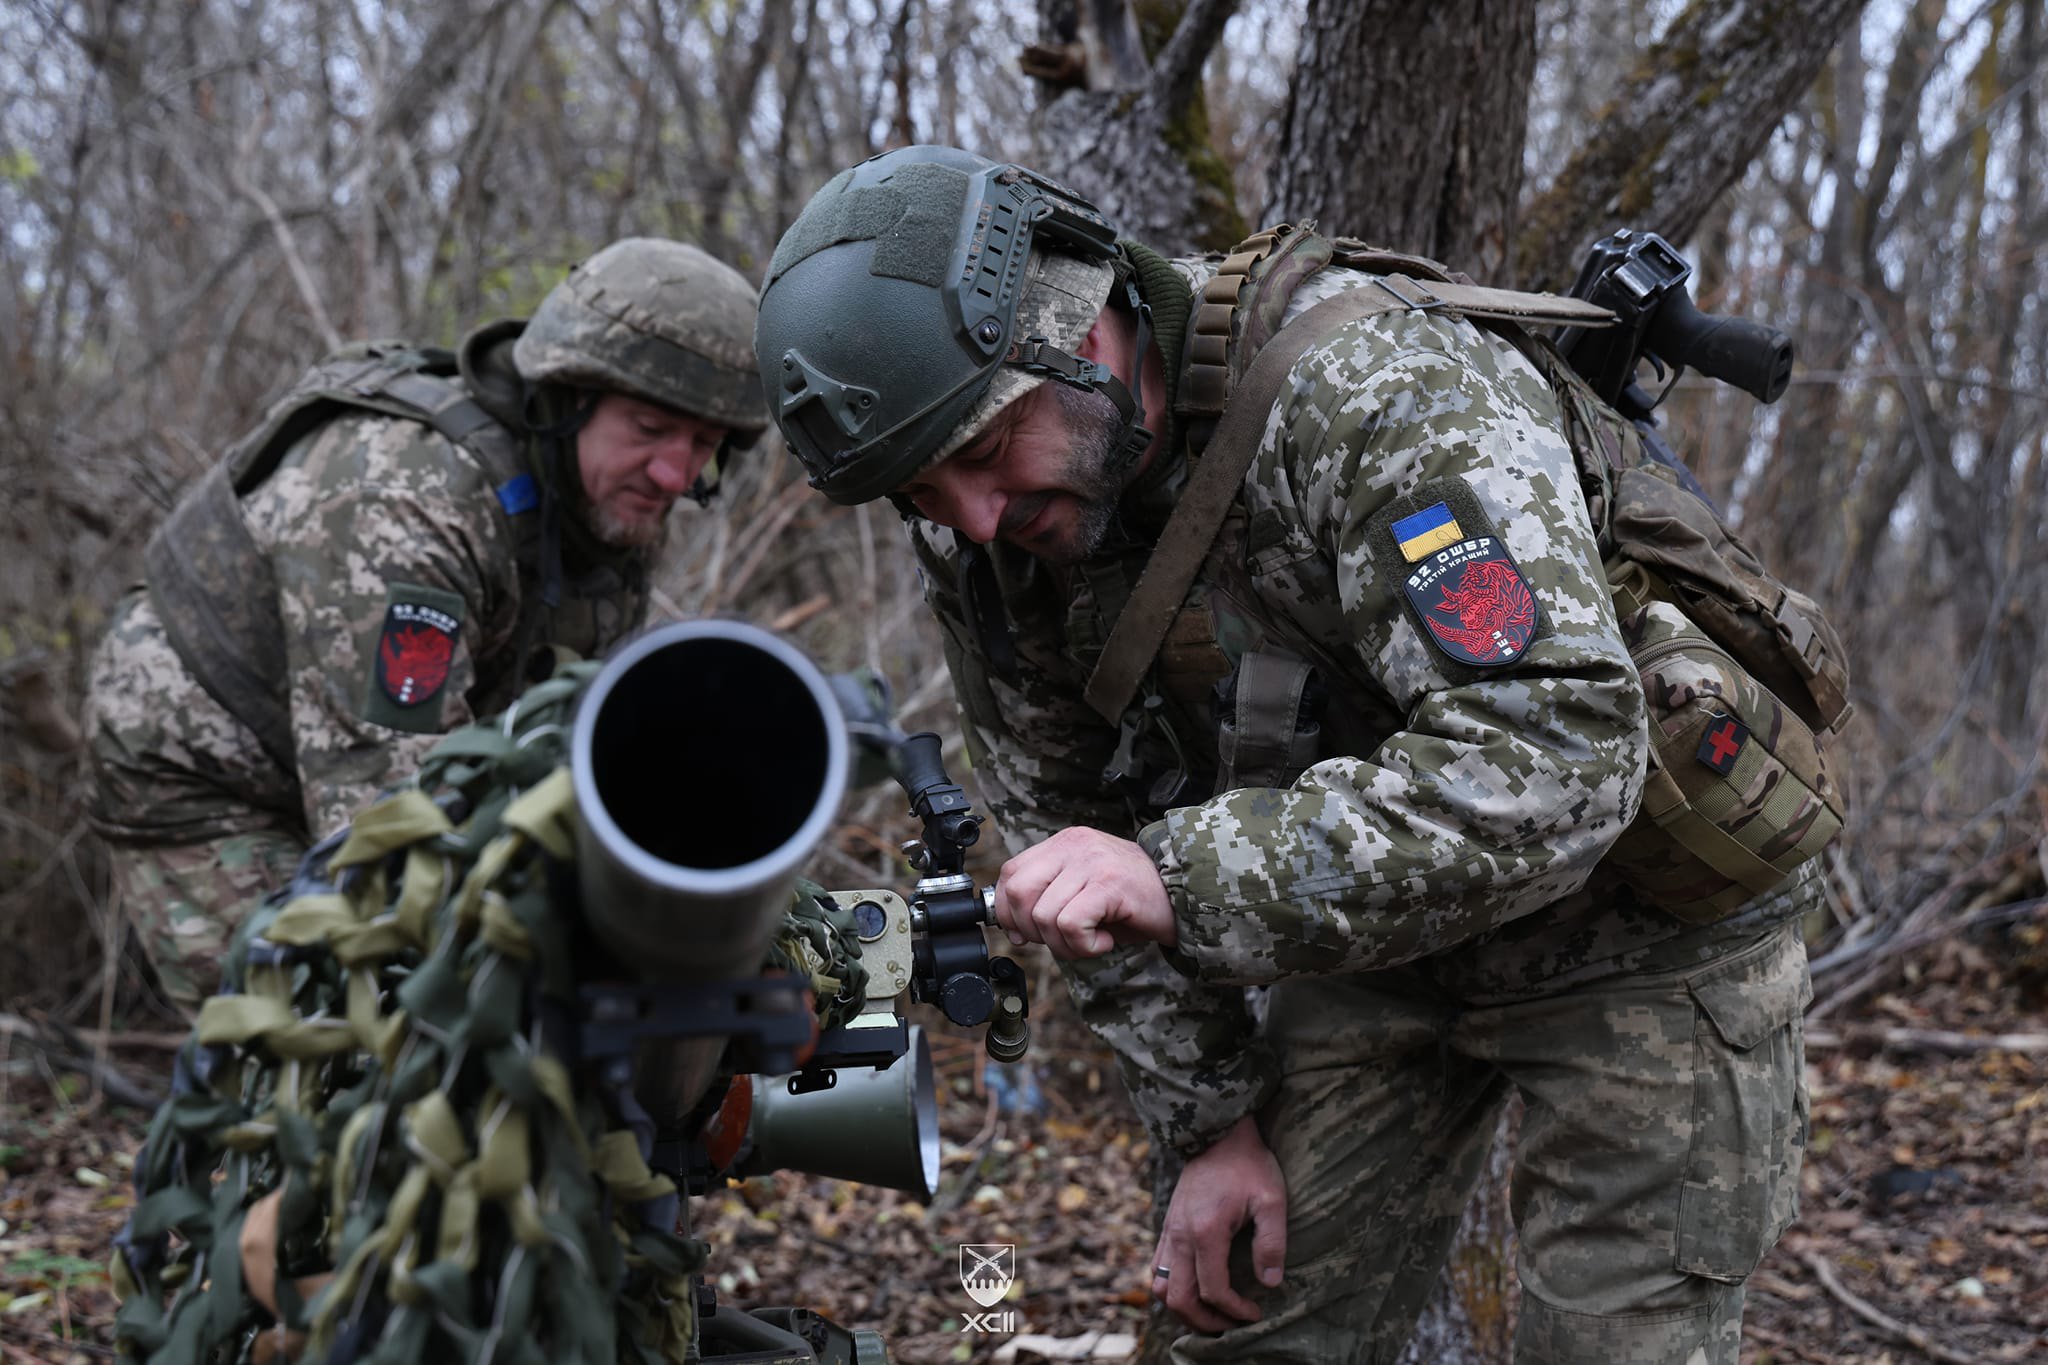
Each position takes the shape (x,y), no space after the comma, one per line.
(1448,804)
(407,595)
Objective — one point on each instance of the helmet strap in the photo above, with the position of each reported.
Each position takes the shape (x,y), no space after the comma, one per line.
(702,490)
(558,455)
(1037,355)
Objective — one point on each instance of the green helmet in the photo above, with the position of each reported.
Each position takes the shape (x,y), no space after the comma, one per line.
(905,288)
(655,319)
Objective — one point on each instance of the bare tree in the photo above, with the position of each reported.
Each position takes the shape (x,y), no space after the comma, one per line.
(1405,125)
(1125,122)
(1684,125)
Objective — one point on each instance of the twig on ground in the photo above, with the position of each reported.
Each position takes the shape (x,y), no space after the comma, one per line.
(1927,1040)
(1916,1337)
(1932,919)
(55,1044)
(800,613)
(760,540)
(43,1339)
(157,1042)
(670,609)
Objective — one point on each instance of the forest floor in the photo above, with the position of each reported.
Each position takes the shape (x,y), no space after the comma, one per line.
(1924,1231)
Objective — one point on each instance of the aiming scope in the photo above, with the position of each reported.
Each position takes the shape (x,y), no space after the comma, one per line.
(1641,278)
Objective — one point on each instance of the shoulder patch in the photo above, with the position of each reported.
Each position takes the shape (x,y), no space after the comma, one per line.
(1467,594)
(414,654)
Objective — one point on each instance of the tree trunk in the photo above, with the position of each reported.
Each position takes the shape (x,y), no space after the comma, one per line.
(1371,145)
(1692,115)
(1130,129)
(1470,1316)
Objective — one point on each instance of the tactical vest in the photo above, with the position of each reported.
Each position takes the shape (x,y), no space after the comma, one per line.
(1745,678)
(213,586)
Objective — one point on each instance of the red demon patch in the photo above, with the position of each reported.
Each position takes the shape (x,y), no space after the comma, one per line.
(414,652)
(1473,602)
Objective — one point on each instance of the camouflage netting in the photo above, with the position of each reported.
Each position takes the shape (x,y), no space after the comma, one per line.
(373,1151)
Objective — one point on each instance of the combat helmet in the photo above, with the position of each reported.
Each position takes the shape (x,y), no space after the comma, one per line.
(915,295)
(656,319)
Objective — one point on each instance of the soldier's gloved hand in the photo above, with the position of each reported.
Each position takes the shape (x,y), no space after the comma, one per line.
(1235,1182)
(1081,893)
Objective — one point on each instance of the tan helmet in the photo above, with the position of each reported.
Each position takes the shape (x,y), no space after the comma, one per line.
(656,319)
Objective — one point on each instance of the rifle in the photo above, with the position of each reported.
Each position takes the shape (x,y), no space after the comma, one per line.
(1641,278)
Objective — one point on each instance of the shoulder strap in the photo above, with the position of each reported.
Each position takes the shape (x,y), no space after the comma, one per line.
(1212,486)
(1241,306)
(1234,322)
(212,587)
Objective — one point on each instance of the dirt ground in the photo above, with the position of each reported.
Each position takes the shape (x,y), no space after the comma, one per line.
(1924,1232)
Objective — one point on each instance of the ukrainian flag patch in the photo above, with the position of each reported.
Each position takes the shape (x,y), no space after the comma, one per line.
(1427,531)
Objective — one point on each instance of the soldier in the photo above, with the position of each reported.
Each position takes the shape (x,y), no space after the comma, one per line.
(1392,816)
(406,541)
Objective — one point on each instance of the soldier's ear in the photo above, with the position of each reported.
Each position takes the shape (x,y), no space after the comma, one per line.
(1093,345)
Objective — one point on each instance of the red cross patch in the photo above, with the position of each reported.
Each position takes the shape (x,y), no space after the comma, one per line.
(1722,744)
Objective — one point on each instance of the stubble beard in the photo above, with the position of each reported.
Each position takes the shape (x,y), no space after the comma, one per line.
(1093,477)
(627,533)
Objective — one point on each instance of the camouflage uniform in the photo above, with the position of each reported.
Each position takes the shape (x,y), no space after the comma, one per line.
(367,523)
(368,510)
(1426,900)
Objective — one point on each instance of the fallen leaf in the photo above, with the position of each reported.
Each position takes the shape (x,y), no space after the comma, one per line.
(1073,1199)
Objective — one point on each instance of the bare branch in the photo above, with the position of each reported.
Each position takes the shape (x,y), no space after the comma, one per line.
(287,240)
(1919,1338)
(1177,72)
(1696,110)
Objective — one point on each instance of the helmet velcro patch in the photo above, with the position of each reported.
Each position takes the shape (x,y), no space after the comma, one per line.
(913,220)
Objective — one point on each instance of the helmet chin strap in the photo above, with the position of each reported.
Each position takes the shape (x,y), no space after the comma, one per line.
(559,452)
(1036,355)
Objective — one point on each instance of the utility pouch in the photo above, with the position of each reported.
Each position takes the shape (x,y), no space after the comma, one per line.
(1675,548)
(1738,793)
(1267,731)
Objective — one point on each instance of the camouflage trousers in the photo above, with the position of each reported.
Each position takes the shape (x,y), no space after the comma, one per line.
(185,901)
(1659,1157)
(193,813)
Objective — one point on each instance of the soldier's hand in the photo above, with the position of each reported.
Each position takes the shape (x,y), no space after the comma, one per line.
(1082,892)
(1235,1182)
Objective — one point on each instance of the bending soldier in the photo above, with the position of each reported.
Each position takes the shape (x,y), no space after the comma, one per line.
(1392,807)
(407,540)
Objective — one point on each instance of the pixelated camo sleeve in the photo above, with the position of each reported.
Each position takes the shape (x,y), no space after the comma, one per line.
(1432,532)
(1187,1050)
(385,549)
